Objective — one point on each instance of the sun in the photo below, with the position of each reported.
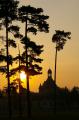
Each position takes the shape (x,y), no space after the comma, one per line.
(22,75)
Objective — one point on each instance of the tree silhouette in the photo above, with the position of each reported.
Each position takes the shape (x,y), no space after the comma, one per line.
(60,38)
(8,13)
(34,21)
(13,87)
(13,71)
(34,52)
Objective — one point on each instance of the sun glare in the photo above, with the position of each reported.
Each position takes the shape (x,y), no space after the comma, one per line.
(22,75)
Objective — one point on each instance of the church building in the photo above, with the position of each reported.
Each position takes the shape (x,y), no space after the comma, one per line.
(48,85)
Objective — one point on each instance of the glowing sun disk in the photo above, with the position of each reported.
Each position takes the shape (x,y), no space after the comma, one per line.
(22,75)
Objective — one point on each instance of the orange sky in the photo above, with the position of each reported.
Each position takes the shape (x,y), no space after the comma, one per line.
(64,16)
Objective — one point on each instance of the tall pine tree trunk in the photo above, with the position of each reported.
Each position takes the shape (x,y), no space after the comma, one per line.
(8,78)
(28,99)
(20,104)
(55,106)
(27,78)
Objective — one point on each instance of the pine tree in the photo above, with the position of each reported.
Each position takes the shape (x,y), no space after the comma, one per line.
(8,13)
(34,21)
(60,38)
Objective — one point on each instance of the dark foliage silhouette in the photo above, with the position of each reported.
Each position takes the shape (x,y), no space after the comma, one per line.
(8,13)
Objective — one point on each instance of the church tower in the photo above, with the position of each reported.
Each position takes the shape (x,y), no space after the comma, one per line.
(48,86)
(49,73)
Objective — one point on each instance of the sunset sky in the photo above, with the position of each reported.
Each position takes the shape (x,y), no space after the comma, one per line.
(63,15)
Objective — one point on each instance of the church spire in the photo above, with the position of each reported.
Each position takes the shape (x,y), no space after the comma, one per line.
(49,73)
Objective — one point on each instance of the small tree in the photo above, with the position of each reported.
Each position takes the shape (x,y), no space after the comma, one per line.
(60,38)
